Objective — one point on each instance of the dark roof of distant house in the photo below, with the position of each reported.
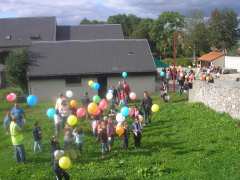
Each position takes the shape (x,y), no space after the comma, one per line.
(211,56)
(18,30)
(90,32)
(90,57)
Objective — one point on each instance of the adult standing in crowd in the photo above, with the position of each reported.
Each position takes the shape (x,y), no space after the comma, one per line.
(146,107)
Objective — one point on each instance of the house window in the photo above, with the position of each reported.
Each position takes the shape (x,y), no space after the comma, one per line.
(36,37)
(73,81)
(131,53)
(8,37)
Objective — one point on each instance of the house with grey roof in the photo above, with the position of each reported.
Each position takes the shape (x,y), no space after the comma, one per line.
(67,57)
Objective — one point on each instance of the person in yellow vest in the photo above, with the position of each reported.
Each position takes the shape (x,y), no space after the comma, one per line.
(17,140)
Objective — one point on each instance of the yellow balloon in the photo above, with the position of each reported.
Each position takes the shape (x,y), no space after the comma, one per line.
(65,162)
(92,108)
(72,120)
(155,108)
(90,82)
(73,104)
(119,130)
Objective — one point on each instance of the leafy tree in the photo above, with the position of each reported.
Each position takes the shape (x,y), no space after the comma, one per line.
(163,30)
(87,21)
(128,22)
(223,28)
(17,63)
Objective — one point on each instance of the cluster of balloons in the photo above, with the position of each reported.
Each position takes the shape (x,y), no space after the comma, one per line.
(11,97)
(94,85)
(32,100)
(64,162)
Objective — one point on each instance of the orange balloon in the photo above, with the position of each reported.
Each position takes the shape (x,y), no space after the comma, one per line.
(73,104)
(92,108)
(119,130)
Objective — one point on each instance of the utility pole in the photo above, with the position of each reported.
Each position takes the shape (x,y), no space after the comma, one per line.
(175,34)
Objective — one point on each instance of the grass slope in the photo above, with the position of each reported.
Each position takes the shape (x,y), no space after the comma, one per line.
(184,141)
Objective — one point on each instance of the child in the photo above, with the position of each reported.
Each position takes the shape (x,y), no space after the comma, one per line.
(110,133)
(54,146)
(37,136)
(68,137)
(103,138)
(125,135)
(57,123)
(60,173)
(64,112)
(78,137)
(137,133)
(6,122)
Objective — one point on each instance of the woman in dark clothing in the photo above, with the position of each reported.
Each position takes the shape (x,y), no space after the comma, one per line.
(146,107)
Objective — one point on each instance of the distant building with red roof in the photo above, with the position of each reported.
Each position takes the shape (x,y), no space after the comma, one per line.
(212,58)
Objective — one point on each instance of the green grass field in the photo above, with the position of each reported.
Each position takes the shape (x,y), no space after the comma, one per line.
(184,141)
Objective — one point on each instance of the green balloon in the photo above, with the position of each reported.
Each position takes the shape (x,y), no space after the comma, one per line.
(96,99)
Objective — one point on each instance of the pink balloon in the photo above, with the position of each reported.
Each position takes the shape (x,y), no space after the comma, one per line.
(11,97)
(133,96)
(103,104)
(81,112)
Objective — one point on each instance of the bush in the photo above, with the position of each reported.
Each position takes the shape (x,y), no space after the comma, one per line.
(16,68)
(179,61)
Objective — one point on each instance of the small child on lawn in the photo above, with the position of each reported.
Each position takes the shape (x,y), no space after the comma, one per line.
(78,138)
(125,135)
(103,138)
(37,136)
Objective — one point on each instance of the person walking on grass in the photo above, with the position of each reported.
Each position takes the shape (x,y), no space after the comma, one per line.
(17,140)
(146,107)
(110,133)
(125,135)
(37,136)
(78,138)
(103,138)
(137,132)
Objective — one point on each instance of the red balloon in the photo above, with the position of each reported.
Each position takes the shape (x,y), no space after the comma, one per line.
(103,104)
(11,97)
(81,112)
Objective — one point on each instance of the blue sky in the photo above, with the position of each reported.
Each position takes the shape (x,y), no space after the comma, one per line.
(72,11)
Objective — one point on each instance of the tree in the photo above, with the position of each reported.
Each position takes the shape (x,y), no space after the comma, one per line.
(223,28)
(87,21)
(128,22)
(163,29)
(17,63)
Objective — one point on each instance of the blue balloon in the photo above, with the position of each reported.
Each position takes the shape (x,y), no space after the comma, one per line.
(124,74)
(32,100)
(125,111)
(162,74)
(51,112)
(96,86)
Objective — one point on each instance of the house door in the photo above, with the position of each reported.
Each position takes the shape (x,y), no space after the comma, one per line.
(102,80)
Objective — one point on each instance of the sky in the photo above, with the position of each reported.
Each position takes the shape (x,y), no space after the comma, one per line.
(72,11)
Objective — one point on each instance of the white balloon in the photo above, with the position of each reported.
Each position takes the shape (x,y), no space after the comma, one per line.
(132,95)
(109,96)
(120,118)
(69,93)
(58,154)
(110,91)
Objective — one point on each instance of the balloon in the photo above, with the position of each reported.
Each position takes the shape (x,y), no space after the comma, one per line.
(69,93)
(90,83)
(32,100)
(51,112)
(58,154)
(65,162)
(11,97)
(72,120)
(96,86)
(81,112)
(124,74)
(109,96)
(97,112)
(125,111)
(103,104)
(92,108)
(119,130)
(162,74)
(155,108)
(110,91)
(133,96)
(96,99)
(120,118)
(73,104)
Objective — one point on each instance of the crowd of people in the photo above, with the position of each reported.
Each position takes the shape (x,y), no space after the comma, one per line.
(104,126)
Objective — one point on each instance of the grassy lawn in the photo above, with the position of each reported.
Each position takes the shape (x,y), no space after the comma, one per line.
(184,141)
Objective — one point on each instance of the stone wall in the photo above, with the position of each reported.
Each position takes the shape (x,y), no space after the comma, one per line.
(222,96)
